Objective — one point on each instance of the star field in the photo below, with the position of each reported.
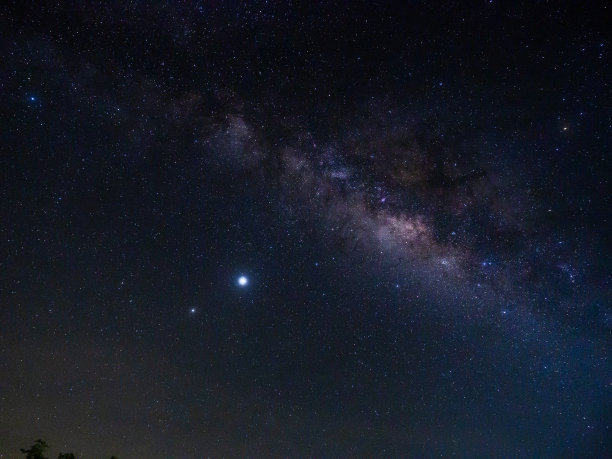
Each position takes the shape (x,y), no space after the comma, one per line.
(306,229)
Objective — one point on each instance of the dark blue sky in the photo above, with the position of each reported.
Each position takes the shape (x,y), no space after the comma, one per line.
(417,194)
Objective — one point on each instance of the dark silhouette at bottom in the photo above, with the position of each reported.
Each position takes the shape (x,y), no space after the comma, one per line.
(39,447)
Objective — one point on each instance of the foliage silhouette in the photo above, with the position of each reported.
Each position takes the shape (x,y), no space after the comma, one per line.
(38,448)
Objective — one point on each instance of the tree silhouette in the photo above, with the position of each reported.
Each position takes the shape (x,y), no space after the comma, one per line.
(39,447)
(37,450)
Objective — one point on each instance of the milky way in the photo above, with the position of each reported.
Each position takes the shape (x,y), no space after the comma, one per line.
(413,203)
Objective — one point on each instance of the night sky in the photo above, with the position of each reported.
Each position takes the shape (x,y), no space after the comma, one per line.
(287,228)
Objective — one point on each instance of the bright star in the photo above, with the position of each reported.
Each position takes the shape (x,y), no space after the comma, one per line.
(193,310)
(242,281)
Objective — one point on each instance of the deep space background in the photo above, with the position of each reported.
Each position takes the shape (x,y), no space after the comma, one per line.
(416,193)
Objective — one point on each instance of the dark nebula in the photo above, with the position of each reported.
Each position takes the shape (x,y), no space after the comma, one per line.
(340,229)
